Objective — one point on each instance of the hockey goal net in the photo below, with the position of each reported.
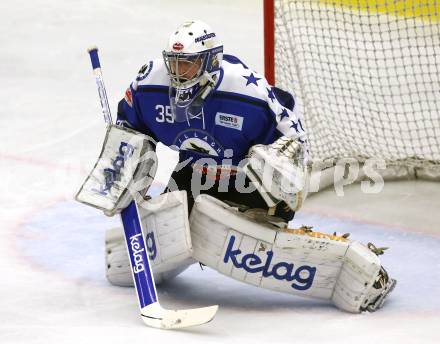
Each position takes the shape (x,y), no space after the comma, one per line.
(365,75)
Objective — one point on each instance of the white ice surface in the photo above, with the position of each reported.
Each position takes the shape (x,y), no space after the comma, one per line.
(52,283)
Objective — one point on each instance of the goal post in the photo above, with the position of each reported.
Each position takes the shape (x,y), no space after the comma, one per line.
(365,75)
(269,41)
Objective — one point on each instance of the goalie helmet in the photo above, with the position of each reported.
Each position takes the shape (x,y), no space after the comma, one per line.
(193,59)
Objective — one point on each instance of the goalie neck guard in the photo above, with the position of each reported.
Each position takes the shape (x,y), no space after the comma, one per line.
(193,59)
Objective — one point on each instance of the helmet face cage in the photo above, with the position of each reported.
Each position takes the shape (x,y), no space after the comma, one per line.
(185,69)
(187,73)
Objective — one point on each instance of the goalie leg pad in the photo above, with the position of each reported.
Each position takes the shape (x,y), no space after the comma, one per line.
(297,262)
(362,283)
(167,238)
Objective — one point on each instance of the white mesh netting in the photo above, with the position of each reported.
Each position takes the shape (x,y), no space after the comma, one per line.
(366,76)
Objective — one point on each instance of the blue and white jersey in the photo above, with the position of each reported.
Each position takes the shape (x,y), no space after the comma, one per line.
(242,110)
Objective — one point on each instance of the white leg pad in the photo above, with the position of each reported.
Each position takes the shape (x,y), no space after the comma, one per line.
(298,262)
(356,278)
(166,230)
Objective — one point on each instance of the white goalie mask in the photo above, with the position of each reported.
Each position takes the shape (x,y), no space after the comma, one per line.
(193,58)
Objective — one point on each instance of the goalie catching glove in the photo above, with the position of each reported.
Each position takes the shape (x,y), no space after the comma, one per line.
(279,172)
(127,164)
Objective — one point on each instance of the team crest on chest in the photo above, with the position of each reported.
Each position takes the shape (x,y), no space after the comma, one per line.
(199,142)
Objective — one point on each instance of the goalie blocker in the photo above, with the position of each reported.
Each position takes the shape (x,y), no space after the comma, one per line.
(127,165)
(295,261)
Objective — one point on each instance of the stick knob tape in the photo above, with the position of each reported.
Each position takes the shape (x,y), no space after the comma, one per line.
(93,52)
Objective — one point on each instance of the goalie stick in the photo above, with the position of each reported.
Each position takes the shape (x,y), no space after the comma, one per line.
(152,313)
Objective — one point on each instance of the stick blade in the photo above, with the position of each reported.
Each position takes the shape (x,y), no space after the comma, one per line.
(173,319)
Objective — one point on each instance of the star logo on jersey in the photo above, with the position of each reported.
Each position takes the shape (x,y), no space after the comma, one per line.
(295,126)
(270,94)
(283,114)
(251,79)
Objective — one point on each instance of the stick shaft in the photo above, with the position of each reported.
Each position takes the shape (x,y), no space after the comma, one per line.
(134,237)
(96,65)
(137,252)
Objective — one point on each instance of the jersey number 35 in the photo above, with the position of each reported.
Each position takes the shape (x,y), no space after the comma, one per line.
(164,114)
